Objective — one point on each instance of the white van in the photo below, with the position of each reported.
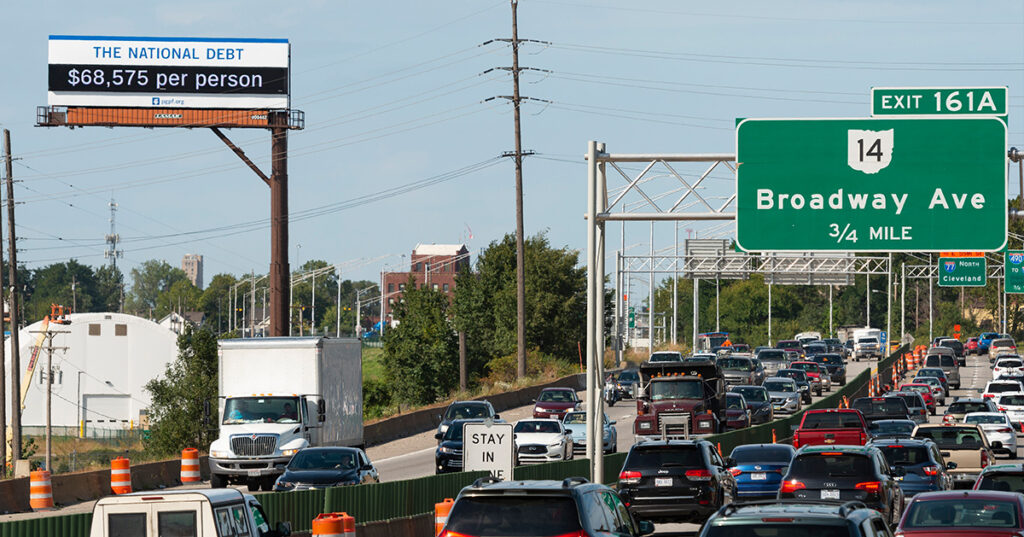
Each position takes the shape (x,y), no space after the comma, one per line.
(183,513)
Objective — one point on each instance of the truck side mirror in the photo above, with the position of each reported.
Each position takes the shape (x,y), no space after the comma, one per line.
(321,411)
(284,529)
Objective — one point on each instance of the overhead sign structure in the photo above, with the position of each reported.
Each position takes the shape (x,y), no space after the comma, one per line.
(962,269)
(871,185)
(168,72)
(989,101)
(489,447)
(1014,267)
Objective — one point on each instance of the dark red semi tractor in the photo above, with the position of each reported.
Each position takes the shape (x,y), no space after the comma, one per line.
(684,398)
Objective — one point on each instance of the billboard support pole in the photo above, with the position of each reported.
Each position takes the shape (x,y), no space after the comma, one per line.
(279,270)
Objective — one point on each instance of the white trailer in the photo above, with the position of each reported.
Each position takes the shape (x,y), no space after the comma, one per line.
(280,395)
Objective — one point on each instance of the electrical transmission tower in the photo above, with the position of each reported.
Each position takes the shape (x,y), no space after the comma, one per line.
(112,253)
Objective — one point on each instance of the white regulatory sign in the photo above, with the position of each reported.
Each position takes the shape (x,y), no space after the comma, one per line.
(488,447)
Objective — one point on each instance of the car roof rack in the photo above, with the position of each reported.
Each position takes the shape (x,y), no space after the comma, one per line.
(486,480)
(573,481)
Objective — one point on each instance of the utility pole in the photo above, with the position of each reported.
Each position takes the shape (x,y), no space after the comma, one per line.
(252,304)
(56,317)
(12,267)
(520,256)
(3,360)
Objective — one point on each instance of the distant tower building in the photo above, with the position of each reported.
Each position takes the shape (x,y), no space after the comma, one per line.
(192,264)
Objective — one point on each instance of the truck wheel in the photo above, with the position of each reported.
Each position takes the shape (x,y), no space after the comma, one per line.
(267,483)
(253,484)
(218,481)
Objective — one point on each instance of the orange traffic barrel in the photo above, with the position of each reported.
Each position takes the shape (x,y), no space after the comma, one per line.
(773,436)
(120,476)
(334,525)
(441,511)
(190,465)
(40,495)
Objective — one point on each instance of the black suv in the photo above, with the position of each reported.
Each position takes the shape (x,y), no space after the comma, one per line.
(882,408)
(834,365)
(448,455)
(844,473)
(464,410)
(675,481)
(796,519)
(573,506)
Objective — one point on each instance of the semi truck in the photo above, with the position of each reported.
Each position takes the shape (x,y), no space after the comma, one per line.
(280,395)
(679,399)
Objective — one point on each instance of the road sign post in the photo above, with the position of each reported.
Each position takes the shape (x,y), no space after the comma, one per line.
(962,269)
(871,185)
(488,446)
(1014,266)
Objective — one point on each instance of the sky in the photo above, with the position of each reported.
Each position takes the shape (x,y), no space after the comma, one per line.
(403,142)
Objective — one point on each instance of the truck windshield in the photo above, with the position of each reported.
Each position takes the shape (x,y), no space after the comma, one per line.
(677,389)
(261,410)
(736,364)
(866,340)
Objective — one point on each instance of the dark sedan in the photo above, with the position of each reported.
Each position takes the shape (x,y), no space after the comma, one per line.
(448,456)
(759,402)
(323,467)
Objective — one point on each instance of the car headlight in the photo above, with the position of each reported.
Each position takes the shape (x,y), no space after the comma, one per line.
(555,444)
(285,484)
(289,452)
(645,425)
(346,483)
(218,453)
(445,449)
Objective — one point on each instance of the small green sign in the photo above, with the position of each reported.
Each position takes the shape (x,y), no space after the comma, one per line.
(961,272)
(632,317)
(938,101)
(871,185)
(1014,266)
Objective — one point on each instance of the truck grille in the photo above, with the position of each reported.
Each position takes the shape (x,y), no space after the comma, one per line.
(254,445)
(674,428)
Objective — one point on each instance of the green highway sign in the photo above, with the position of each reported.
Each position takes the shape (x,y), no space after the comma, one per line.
(990,101)
(632,317)
(962,271)
(871,185)
(1013,264)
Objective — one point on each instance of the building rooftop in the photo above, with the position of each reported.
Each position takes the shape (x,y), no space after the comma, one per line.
(439,249)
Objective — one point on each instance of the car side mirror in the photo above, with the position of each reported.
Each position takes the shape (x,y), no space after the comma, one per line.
(439,418)
(533,400)
(951,466)
(367,466)
(730,462)
(613,422)
(497,416)
(321,411)
(438,436)
(284,529)
(646,527)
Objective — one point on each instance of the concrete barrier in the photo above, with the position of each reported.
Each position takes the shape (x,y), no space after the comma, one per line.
(425,419)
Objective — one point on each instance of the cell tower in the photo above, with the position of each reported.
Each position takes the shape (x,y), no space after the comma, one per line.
(112,253)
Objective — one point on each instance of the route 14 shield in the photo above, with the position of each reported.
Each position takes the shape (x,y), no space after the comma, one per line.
(869,151)
(488,446)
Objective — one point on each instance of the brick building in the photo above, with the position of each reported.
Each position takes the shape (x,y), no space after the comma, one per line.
(434,265)
(192,264)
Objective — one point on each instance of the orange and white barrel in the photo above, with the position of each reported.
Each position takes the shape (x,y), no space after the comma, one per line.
(441,511)
(190,465)
(334,525)
(40,494)
(120,476)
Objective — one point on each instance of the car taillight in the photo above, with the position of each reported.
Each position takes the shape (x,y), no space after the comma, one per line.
(988,395)
(871,487)
(984,459)
(629,477)
(735,471)
(863,437)
(930,470)
(949,418)
(922,412)
(791,486)
(1004,430)
(1002,409)
(698,475)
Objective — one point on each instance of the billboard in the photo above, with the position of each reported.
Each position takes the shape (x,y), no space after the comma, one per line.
(168,72)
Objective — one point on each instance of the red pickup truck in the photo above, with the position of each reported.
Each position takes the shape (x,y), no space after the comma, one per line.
(831,426)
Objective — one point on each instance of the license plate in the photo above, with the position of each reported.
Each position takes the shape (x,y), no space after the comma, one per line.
(662,481)
(760,476)
(254,473)
(830,494)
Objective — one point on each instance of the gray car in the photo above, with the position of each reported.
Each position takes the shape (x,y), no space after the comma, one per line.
(784,393)
(805,384)
(943,358)
(773,360)
(739,370)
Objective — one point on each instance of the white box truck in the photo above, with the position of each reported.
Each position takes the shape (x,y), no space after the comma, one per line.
(280,395)
(867,343)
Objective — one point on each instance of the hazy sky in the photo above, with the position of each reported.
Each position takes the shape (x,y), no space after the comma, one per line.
(395,102)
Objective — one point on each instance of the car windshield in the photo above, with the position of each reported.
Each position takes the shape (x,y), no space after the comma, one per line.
(1001,481)
(919,388)
(878,405)
(630,375)
(831,465)
(771,356)
(261,410)
(831,420)
(662,456)
(735,402)
(779,386)
(324,459)
(805,367)
(931,372)
(961,512)
(1009,363)
(467,411)
(454,433)
(575,418)
(736,364)
(828,359)
(789,344)
(952,437)
(883,427)
(797,374)
(509,516)
(557,396)
(767,454)
(898,455)
(1002,342)
(912,400)
(931,381)
(983,419)
(536,427)
(778,529)
(1012,400)
(753,394)
(963,407)
(1000,387)
(677,389)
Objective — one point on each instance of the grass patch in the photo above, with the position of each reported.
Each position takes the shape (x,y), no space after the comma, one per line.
(373,363)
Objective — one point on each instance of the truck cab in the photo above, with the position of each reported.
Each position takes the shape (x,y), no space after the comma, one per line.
(207,513)
(676,400)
